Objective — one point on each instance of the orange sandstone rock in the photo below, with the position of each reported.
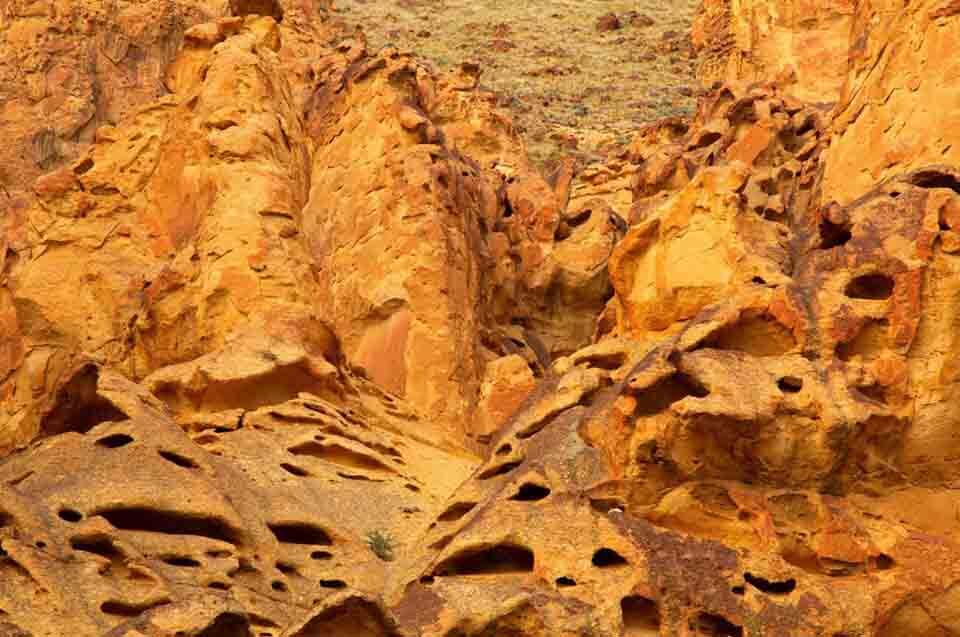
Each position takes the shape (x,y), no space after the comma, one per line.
(804,41)
(304,345)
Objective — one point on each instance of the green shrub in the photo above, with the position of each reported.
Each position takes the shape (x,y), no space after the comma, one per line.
(381,544)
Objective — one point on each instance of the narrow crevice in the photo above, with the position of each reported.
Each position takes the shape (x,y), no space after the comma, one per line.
(833,235)
(497,560)
(530,492)
(342,456)
(641,616)
(99,545)
(456,511)
(874,287)
(933,178)
(608,558)
(78,407)
(499,470)
(124,609)
(169,522)
(710,625)
(294,470)
(115,441)
(770,587)
(177,459)
(300,533)
(181,561)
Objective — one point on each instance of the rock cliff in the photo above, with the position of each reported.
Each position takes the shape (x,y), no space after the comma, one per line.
(296,341)
(804,43)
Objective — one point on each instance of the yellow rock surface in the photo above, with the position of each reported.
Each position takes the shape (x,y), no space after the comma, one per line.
(295,341)
(804,42)
(898,99)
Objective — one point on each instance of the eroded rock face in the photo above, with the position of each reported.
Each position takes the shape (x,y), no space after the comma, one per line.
(169,235)
(305,346)
(703,232)
(727,459)
(479,256)
(804,42)
(383,183)
(70,67)
(225,524)
(891,73)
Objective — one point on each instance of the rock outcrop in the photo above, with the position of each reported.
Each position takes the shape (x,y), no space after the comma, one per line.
(804,43)
(899,96)
(70,67)
(295,341)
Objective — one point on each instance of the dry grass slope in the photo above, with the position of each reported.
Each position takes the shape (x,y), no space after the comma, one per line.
(573,87)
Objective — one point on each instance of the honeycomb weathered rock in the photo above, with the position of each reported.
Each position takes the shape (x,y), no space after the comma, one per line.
(305,346)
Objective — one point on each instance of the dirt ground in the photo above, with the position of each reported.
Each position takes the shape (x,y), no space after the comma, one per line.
(576,81)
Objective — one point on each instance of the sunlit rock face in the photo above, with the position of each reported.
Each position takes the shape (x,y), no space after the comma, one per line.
(295,341)
(803,43)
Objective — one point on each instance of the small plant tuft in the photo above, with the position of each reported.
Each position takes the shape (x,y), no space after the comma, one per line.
(381,544)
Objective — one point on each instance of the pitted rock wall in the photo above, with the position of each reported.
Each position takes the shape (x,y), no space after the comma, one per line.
(305,346)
